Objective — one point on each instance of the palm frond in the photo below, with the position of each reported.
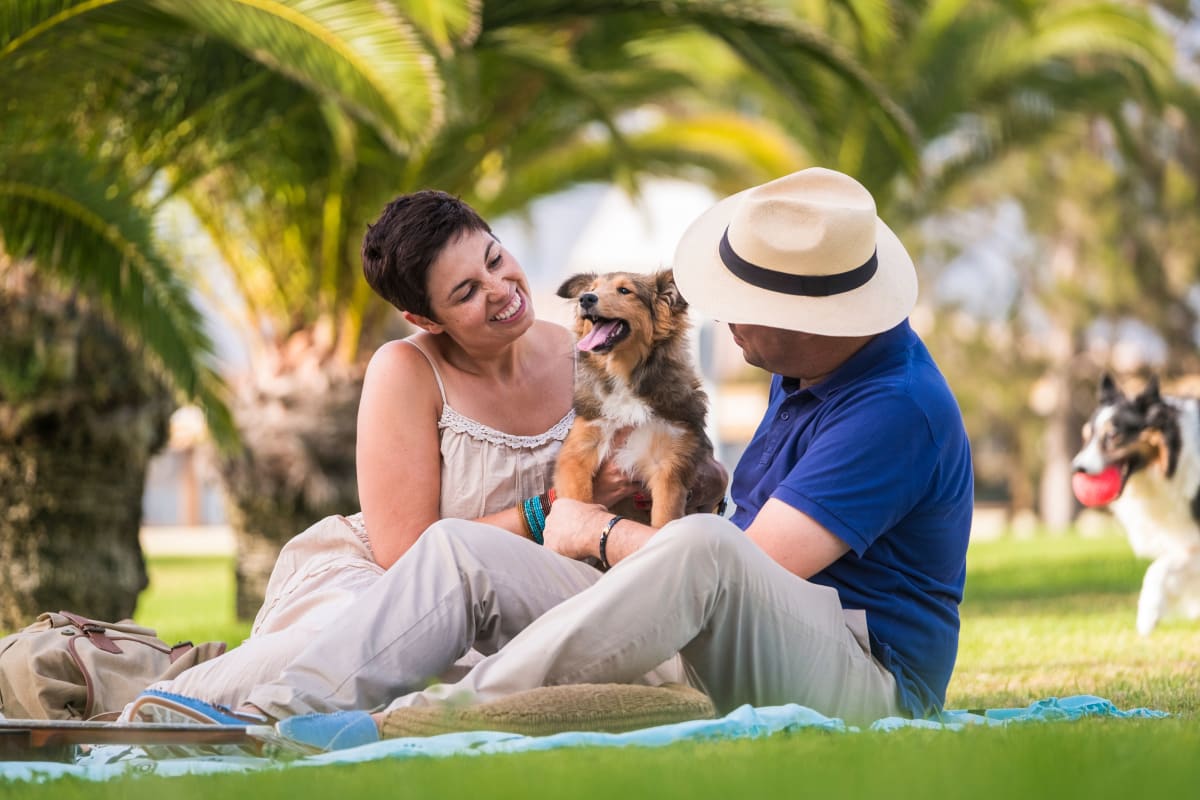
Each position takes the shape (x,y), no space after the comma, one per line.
(1092,31)
(83,229)
(783,48)
(447,23)
(725,151)
(363,56)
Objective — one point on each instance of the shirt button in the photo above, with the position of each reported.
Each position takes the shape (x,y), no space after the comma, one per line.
(785,416)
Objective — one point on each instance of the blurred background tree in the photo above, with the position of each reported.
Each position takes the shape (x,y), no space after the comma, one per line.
(284,127)
(279,129)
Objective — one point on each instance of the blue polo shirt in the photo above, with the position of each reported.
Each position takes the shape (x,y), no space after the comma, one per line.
(878,455)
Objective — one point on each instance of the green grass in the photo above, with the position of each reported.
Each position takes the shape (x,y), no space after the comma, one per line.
(1055,616)
(1043,617)
(191,598)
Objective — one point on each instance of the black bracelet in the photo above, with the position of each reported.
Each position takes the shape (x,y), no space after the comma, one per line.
(604,542)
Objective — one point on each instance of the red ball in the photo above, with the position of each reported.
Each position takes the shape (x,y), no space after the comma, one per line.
(1097,490)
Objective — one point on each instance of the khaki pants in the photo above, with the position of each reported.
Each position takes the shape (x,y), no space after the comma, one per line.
(699,602)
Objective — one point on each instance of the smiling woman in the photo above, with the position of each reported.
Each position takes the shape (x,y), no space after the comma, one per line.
(461,420)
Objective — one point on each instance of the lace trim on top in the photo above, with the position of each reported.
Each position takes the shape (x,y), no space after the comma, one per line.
(477,430)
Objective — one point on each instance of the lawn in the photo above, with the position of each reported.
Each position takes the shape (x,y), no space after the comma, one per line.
(1049,616)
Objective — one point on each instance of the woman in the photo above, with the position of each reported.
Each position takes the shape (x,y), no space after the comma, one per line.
(461,420)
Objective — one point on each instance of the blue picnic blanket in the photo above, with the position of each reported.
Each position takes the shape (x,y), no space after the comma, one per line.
(747,722)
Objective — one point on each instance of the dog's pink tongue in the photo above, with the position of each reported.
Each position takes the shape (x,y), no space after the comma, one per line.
(598,335)
(1097,490)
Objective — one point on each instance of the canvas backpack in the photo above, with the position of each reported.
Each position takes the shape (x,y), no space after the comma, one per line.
(65,666)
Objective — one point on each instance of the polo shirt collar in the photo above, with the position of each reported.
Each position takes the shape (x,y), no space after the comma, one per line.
(889,343)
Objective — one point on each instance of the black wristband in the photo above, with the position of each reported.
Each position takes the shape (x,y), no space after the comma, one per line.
(604,542)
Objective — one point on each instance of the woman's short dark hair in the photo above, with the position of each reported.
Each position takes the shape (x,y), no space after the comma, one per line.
(407,238)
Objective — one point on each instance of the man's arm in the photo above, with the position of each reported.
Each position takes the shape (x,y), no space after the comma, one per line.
(796,541)
(790,537)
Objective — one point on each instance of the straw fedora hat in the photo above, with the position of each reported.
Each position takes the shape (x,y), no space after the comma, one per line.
(805,252)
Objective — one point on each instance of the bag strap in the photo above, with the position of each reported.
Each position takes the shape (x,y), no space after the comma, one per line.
(94,631)
(178,650)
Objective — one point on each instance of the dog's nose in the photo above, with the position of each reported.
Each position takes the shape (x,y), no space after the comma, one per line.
(588,300)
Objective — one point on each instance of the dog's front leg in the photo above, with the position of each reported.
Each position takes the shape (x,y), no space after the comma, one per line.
(578,459)
(671,478)
(1153,598)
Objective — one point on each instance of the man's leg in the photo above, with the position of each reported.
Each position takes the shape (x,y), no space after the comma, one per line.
(750,631)
(462,584)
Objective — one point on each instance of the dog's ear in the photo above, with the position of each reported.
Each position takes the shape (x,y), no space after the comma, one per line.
(1151,392)
(1149,396)
(1109,393)
(668,292)
(573,286)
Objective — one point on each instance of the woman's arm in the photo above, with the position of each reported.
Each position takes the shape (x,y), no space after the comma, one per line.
(398,460)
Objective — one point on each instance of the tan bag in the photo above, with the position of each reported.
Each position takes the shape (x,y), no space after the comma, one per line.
(69,667)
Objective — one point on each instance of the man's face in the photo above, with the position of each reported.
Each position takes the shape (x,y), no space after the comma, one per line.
(770,348)
(808,357)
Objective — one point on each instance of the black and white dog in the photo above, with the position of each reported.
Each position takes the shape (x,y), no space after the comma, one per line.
(1144,454)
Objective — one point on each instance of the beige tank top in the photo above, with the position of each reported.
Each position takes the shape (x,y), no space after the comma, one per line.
(485,470)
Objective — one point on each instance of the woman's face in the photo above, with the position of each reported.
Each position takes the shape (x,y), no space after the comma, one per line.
(477,291)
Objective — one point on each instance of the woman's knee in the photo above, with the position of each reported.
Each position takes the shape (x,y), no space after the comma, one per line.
(468,541)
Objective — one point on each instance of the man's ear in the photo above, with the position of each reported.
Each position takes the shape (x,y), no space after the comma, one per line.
(573,286)
(424,323)
(668,292)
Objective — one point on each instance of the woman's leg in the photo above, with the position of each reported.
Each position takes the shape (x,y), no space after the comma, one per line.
(318,574)
(462,584)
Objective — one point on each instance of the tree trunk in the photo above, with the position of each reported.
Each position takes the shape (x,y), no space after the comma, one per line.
(297,422)
(79,419)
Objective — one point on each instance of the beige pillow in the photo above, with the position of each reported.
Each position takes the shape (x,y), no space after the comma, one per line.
(606,707)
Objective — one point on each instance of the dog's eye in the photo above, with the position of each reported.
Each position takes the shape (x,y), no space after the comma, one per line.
(623,290)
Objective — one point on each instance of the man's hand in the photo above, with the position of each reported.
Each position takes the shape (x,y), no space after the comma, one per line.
(708,487)
(612,484)
(573,528)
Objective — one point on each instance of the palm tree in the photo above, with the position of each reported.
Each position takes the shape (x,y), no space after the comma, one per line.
(284,125)
(975,79)
(536,104)
(110,109)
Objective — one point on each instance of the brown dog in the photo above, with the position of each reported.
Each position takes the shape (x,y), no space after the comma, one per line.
(634,372)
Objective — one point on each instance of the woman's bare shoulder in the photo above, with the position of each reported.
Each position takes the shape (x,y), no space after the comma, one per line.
(400,362)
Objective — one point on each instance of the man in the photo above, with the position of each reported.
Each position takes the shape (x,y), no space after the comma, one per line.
(834,585)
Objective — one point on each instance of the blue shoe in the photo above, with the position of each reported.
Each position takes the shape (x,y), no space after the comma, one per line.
(154,705)
(166,708)
(337,731)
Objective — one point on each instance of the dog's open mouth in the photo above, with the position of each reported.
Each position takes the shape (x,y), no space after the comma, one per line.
(605,334)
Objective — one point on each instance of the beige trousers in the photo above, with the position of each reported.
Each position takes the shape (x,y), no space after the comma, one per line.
(316,577)
(699,602)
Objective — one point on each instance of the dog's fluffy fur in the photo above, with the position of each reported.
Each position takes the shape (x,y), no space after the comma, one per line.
(634,372)
(1154,441)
